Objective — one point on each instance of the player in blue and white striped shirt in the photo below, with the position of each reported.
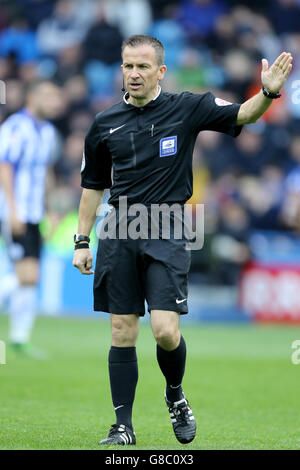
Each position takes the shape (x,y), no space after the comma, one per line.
(27,144)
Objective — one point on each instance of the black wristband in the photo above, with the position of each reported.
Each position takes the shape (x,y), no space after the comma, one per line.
(80,246)
(269,94)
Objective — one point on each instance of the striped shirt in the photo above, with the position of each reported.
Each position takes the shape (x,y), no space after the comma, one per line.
(28,145)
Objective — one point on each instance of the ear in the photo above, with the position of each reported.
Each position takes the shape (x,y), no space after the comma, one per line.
(162,71)
(122,66)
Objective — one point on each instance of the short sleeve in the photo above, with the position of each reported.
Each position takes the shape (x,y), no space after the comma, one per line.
(11,142)
(96,162)
(214,114)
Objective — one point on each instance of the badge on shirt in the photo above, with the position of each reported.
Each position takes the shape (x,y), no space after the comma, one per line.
(221,102)
(168,146)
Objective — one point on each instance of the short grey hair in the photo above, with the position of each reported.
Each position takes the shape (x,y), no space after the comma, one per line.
(140,39)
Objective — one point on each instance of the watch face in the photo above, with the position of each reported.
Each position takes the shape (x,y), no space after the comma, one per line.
(79,238)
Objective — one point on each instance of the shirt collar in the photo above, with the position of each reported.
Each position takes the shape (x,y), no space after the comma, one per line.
(38,123)
(126,96)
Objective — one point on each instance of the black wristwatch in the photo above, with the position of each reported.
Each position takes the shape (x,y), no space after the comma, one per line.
(80,238)
(270,95)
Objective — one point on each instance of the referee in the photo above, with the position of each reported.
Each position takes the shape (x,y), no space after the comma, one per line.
(141,148)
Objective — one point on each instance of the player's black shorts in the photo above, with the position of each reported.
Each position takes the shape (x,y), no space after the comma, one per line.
(27,245)
(128,272)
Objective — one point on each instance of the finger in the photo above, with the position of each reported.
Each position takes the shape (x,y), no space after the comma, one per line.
(279,59)
(265,65)
(78,266)
(288,70)
(285,61)
(89,264)
(87,272)
(84,268)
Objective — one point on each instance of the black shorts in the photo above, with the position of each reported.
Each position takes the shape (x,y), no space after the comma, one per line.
(128,272)
(27,245)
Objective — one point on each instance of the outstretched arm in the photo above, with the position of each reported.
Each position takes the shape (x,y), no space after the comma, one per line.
(273,79)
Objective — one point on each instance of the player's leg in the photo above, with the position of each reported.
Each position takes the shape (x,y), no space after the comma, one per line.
(24,251)
(123,366)
(170,350)
(171,357)
(8,284)
(23,302)
(166,293)
(9,281)
(123,375)
(117,288)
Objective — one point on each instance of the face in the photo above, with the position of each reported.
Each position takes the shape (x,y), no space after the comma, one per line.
(46,101)
(141,73)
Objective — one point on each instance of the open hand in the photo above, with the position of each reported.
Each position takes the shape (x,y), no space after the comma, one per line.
(273,77)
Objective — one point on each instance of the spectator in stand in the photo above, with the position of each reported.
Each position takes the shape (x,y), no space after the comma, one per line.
(131,16)
(35,11)
(68,63)
(223,38)
(261,197)
(290,211)
(72,156)
(229,245)
(76,92)
(61,30)
(18,40)
(249,153)
(3,17)
(98,37)
(159,7)
(285,15)
(101,54)
(172,34)
(199,17)
(238,67)
(215,159)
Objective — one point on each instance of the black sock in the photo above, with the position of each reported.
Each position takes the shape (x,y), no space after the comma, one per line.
(123,374)
(172,365)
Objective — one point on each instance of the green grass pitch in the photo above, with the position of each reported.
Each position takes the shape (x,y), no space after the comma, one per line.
(240,381)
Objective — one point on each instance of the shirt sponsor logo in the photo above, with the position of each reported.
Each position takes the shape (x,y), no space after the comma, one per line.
(221,102)
(168,146)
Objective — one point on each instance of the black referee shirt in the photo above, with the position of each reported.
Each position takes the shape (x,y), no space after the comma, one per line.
(145,153)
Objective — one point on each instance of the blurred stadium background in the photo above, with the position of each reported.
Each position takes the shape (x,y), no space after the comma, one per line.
(250,186)
(249,268)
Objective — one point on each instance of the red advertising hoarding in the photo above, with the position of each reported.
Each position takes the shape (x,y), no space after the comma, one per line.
(271,293)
